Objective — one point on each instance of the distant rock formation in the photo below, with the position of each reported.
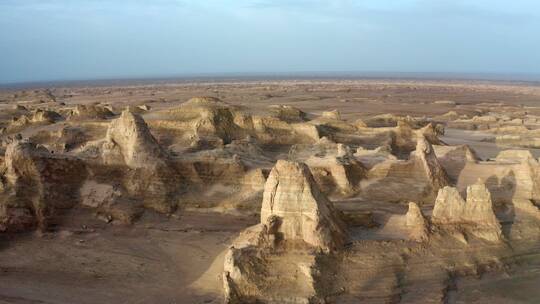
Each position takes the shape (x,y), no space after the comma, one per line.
(210,117)
(303,212)
(90,112)
(288,113)
(38,116)
(405,138)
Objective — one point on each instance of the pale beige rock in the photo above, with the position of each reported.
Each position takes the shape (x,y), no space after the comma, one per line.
(334,114)
(371,157)
(479,208)
(288,113)
(514,155)
(97,112)
(526,207)
(416,179)
(405,137)
(450,207)
(416,223)
(304,213)
(359,123)
(448,116)
(523,177)
(333,166)
(454,158)
(38,116)
(306,130)
(476,212)
(445,102)
(131,136)
(424,155)
(152,178)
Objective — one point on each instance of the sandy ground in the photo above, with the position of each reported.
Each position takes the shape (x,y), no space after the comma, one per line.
(157,260)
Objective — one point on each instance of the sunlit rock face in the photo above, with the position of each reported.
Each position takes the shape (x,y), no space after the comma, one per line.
(476,211)
(291,194)
(416,223)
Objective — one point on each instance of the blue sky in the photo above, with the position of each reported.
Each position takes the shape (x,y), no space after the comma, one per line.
(91,39)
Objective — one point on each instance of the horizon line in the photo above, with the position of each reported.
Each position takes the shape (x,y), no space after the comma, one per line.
(262,76)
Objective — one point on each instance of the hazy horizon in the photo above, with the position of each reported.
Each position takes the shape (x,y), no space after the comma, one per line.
(61,40)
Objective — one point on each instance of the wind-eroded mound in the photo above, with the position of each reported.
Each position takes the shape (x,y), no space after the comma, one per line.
(303,212)
(36,117)
(416,179)
(90,112)
(335,169)
(294,211)
(150,175)
(134,164)
(476,212)
(130,138)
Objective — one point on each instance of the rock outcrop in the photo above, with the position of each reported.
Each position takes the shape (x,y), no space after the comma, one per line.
(334,167)
(288,113)
(524,178)
(334,114)
(92,112)
(294,212)
(37,182)
(424,156)
(476,212)
(210,117)
(454,158)
(303,212)
(38,116)
(129,137)
(416,223)
(416,179)
(151,176)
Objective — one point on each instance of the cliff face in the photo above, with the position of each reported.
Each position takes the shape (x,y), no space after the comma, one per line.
(37,182)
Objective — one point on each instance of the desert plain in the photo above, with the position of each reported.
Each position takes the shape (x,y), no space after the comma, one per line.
(271,191)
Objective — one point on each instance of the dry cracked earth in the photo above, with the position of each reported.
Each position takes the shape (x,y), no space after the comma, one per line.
(271,191)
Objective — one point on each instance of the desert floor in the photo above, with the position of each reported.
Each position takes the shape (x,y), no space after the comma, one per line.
(179,258)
